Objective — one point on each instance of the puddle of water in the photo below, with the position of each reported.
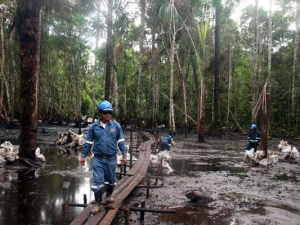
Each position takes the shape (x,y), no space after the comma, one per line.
(37,196)
(240,203)
(187,167)
(197,215)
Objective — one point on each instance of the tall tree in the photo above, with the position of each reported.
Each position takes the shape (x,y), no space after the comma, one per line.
(255,52)
(217,67)
(96,60)
(141,54)
(172,32)
(27,24)
(28,31)
(109,48)
(270,45)
(152,99)
(2,10)
(202,32)
(295,63)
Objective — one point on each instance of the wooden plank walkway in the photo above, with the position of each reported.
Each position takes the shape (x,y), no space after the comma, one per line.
(122,190)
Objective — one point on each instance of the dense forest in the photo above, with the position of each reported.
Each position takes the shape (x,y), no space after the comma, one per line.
(173,62)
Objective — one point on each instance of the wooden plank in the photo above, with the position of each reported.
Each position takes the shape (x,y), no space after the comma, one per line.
(125,192)
(95,219)
(83,216)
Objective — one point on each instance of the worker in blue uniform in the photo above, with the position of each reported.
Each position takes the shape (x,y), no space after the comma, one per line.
(106,137)
(166,143)
(253,138)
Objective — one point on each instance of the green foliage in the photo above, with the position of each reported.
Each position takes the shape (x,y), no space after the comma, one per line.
(67,64)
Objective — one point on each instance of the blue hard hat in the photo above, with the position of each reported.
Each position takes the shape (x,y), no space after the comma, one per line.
(105,106)
(253,126)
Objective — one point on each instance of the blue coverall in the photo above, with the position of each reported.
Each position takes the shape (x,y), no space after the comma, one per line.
(106,142)
(166,142)
(254,139)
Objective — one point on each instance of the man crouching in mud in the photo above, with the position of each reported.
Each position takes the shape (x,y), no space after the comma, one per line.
(107,136)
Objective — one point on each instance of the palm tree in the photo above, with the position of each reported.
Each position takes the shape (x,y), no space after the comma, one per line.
(27,24)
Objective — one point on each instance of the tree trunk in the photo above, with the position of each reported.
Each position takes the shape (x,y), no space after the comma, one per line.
(217,67)
(184,93)
(95,64)
(115,90)
(109,50)
(295,65)
(29,39)
(255,52)
(2,64)
(270,45)
(152,79)
(229,82)
(195,73)
(201,113)
(13,81)
(125,87)
(141,53)
(270,48)
(172,52)
(38,70)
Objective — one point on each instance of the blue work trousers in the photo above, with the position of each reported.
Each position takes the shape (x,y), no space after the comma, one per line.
(104,170)
(252,145)
(165,146)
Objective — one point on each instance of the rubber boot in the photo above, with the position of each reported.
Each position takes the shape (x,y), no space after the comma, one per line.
(109,198)
(98,207)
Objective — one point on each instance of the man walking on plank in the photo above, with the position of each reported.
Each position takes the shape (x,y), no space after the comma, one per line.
(107,136)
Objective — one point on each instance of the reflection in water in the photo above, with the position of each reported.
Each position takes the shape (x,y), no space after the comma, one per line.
(36,196)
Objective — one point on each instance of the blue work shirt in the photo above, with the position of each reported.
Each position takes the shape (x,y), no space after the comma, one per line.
(166,142)
(254,137)
(106,140)
(167,138)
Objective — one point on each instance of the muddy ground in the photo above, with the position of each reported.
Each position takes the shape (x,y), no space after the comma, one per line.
(241,194)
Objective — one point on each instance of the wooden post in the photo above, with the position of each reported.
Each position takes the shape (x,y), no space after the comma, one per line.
(264,124)
(130,146)
(148,188)
(84,199)
(142,215)
(127,216)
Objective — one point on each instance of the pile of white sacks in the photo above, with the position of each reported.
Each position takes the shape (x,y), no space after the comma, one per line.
(71,139)
(9,153)
(290,153)
(160,161)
